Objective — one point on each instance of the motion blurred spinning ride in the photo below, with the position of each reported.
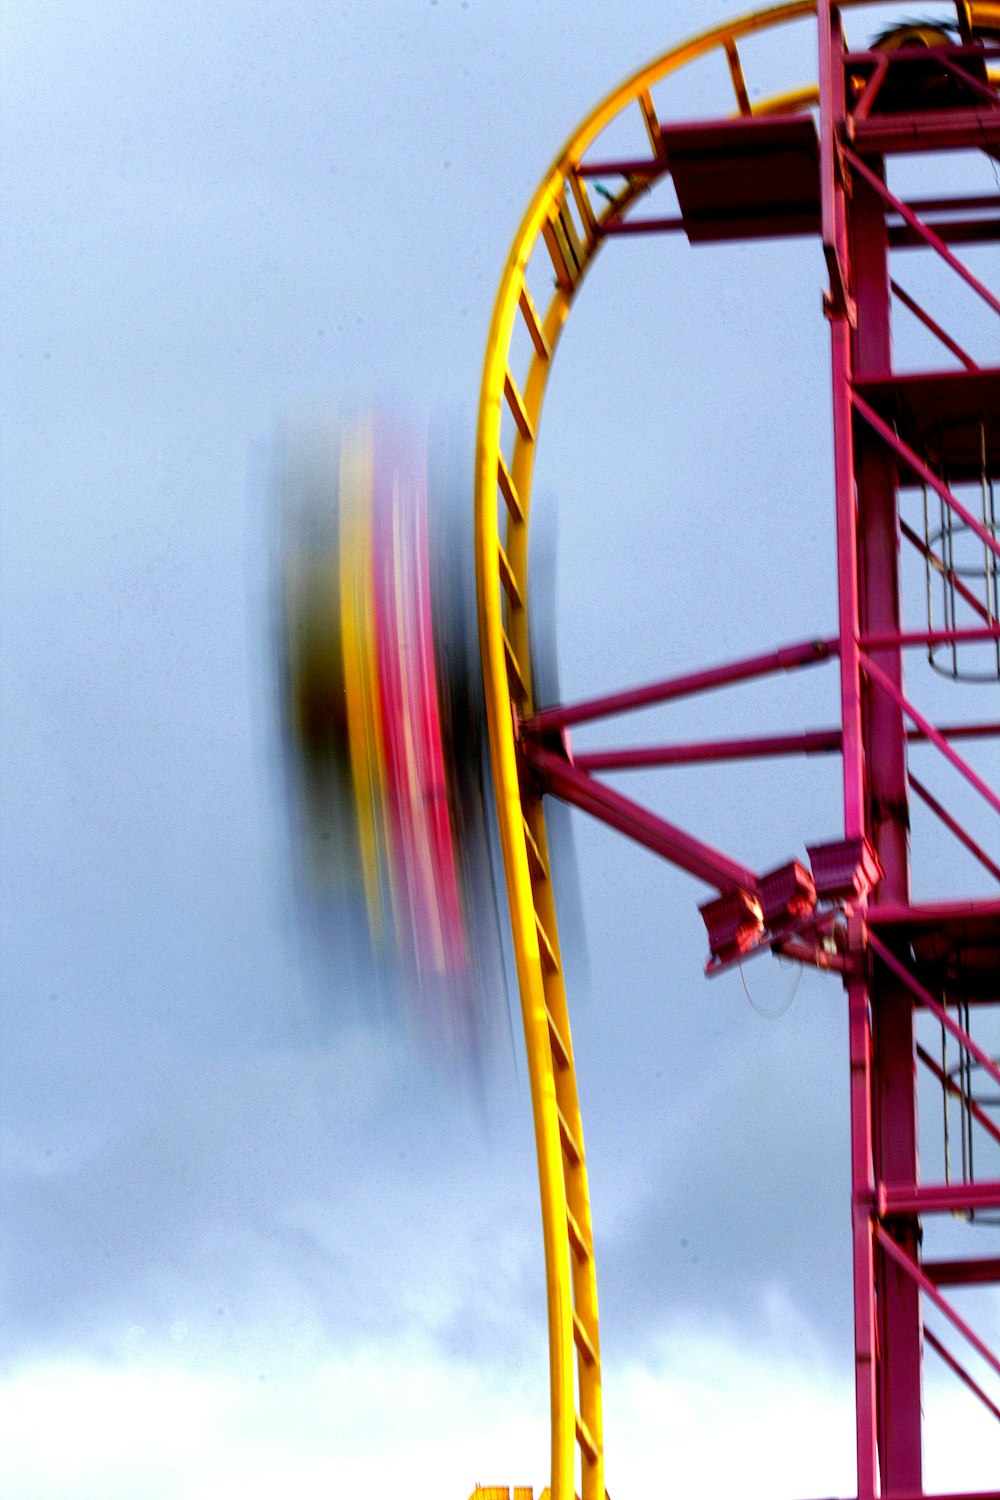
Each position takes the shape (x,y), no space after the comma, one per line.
(822,161)
(384,706)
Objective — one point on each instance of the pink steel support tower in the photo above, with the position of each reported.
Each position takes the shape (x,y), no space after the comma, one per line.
(888,432)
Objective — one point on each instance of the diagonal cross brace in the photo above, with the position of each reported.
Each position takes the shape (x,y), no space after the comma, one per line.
(896,1252)
(916,988)
(559,776)
(920,228)
(924,472)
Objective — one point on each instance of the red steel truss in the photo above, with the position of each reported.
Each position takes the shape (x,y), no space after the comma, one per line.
(852,910)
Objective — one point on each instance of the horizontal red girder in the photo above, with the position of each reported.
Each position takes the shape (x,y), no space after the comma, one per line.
(901,236)
(954,1495)
(892,913)
(930,637)
(983,1271)
(632,166)
(984,201)
(811,742)
(945,130)
(698,752)
(938,1198)
(785,659)
(948,231)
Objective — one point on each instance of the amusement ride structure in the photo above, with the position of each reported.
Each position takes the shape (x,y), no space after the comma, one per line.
(387,723)
(916,458)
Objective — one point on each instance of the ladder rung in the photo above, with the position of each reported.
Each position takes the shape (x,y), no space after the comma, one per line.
(534,853)
(513,667)
(587,1445)
(518,409)
(542,346)
(582,1340)
(559,1048)
(651,122)
(548,952)
(571,1146)
(584,205)
(510,494)
(739,81)
(574,1233)
(569,229)
(510,583)
(563,260)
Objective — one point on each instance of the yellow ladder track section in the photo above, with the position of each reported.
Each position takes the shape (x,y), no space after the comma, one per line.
(558,239)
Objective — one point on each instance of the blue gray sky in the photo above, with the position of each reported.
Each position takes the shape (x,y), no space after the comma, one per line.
(252,1245)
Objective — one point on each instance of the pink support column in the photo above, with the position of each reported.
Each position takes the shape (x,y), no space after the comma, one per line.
(894,1121)
(863,1246)
(840,311)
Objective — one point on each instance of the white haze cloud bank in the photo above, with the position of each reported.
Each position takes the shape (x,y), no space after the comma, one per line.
(702,1413)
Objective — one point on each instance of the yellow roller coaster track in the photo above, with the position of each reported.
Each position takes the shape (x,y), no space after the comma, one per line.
(554,247)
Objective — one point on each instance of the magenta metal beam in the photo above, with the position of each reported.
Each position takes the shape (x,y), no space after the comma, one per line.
(841,310)
(938,564)
(981,731)
(930,130)
(954,826)
(930,637)
(876,674)
(894,914)
(934,327)
(975,85)
(562,779)
(886,791)
(984,201)
(907,1264)
(956,1495)
(918,54)
(938,1198)
(628,167)
(919,227)
(958,1032)
(863,106)
(811,742)
(670,225)
(804,654)
(950,231)
(928,476)
(958,1369)
(951,1087)
(982,1272)
(699,752)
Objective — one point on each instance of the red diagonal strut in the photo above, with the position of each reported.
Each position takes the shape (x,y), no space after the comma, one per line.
(560,777)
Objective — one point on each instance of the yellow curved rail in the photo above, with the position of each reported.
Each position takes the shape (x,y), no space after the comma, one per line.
(561,231)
